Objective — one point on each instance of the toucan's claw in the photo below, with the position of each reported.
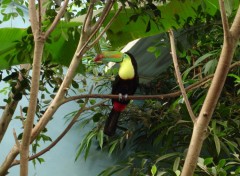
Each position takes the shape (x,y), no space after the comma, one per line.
(120,96)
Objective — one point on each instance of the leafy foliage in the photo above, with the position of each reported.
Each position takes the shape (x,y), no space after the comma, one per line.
(153,136)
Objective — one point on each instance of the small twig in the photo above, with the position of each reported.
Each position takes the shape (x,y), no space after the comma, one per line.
(179,78)
(21,116)
(57,18)
(16,140)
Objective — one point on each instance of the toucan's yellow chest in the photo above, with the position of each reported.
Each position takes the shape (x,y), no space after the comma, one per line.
(126,70)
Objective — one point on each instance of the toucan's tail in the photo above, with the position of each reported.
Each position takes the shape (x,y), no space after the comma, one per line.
(111,122)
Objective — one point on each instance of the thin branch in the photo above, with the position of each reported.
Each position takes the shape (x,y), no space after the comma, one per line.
(140,97)
(212,97)
(10,107)
(224,19)
(28,126)
(105,12)
(39,14)
(88,18)
(57,19)
(179,78)
(16,139)
(70,125)
(96,27)
(106,28)
(33,16)
(143,97)
(235,32)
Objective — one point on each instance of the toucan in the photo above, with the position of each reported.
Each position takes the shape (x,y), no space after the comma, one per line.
(125,83)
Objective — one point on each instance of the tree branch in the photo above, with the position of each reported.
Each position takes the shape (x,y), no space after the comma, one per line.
(38,51)
(33,16)
(234,30)
(39,14)
(96,27)
(201,125)
(224,18)
(179,78)
(105,12)
(70,125)
(57,19)
(88,18)
(106,28)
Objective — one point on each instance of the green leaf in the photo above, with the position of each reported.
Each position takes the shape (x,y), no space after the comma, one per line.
(208,161)
(113,147)
(151,49)
(198,62)
(166,156)
(154,169)
(20,12)
(96,117)
(178,172)
(100,138)
(229,6)
(217,143)
(92,101)
(122,31)
(85,144)
(40,160)
(221,163)
(176,164)
(210,66)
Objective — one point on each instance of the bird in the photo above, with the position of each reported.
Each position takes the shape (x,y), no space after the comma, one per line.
(125,83)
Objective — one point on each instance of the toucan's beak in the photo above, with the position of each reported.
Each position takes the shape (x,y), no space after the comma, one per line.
(109,56)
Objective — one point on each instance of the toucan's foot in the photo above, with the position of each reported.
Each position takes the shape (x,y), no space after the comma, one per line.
(120,96)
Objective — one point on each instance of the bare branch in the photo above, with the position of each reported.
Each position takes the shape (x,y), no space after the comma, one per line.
(39,14)
(96,30)
(57,19)
(24,152)
(105,12)
(205,115)
(88,18)
(179,78)
(16,139)
(10,108)
(106,28)
(235,32)
(33,16)
(224,18)
(81,110)
(8,160)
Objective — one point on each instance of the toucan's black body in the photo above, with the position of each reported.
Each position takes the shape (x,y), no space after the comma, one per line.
(124,87)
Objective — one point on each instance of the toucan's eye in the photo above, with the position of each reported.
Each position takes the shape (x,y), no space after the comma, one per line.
(124,56)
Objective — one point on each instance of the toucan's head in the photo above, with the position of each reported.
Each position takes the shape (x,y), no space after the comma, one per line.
(109,56)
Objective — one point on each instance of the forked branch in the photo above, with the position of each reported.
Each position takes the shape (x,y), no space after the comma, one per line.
(179,78)
(231,38)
